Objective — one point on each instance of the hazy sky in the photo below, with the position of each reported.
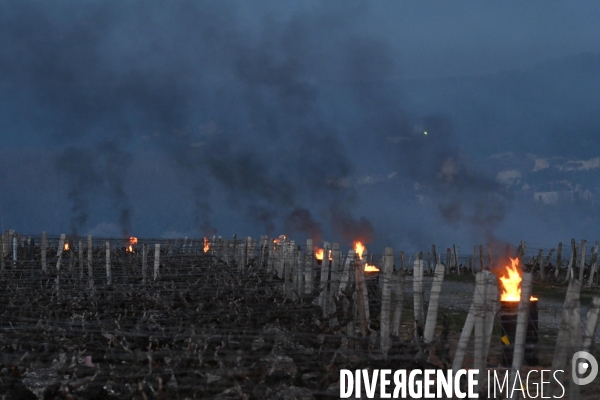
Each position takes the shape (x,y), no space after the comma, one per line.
(188,118)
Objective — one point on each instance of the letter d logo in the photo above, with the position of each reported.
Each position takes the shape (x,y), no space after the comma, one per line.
(579,367)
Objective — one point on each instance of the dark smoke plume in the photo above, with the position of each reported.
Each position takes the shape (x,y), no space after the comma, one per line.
(252,113)
(300,220)
(351,229)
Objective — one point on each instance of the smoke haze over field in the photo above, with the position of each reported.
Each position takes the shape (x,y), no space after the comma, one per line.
(336,121)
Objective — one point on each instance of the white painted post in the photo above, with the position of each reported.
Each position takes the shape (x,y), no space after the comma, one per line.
(15,250)
(324,279)
(465,335)
(59,251)
(299,267)
(572,261)
(309,269)
(455,247)
(521,330)
(591,322)
(398,301)
(479,322)
(89,262)
(345,278)
(156,259)
(402,265)
(282,250)
(594,264)
(108,266)
(334,281)
(362,297)
(144,262)
(558,260)
(261,252)
(249,251)
(418,290)
(481,262)
(540,262)
(2,265)
(3,249)
(44,248)
(492,303)
(434,300)
(365,291)
(575,341)
(582,260)
(80,249)
(386,293)
(562,349)
(272,261)
(286,267)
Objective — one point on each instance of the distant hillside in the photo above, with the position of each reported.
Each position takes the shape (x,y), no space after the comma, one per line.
(553,108)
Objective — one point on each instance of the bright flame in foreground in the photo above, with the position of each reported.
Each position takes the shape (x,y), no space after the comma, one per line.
(66,246)
(511,283)
(318,253)
(206,245)
(132,241)
(360,248)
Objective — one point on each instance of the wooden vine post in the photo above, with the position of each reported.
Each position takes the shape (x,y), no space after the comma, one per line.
(156,259)
(386,294)
(44,250)
(418,293)
(108,266)
(144,262)
(582,260)
(89,262)
(434,299)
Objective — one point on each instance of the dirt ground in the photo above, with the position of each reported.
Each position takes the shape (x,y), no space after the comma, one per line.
(204,330)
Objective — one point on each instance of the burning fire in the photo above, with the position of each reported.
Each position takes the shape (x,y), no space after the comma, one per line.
(320,252)
(66,246)
(206,245)
(281,238)
(360,248)
(132,241)
(511,283)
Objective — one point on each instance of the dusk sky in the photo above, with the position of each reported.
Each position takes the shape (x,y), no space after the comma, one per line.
(402,124)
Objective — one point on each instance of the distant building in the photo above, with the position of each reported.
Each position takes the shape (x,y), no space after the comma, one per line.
(553,193)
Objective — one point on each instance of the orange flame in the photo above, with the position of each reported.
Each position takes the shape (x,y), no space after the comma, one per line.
(511,283)
(132,241)
(66,246)
(281,238)
(360,248)
(206,245)
(319,253)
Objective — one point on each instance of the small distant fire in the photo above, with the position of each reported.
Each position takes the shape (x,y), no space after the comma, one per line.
(132,241)
(280,239)
(66,246)
(511,283)
(319,252)
(206,245)
(360,248)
